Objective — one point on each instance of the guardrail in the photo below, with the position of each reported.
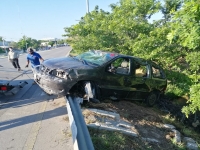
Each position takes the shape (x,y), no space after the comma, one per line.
(80,133)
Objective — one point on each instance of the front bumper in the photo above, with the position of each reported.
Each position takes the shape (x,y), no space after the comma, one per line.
(51,84)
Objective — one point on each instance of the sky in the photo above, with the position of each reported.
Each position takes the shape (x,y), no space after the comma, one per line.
(39,19)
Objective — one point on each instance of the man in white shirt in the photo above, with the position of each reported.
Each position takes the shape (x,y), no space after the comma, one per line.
(13,58)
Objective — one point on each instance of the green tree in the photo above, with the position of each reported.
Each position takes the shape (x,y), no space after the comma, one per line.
(26,42)
(92,32)
(114,31)
(51,43)
(35,44)
(169,6)
(127,30)
(61,41)
(186,32)
(23,44)
(14,45)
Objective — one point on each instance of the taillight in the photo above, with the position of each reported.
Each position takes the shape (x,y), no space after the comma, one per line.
(4,88)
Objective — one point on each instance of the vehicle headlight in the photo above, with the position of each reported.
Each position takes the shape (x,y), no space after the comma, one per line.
(42,68)
(59,73)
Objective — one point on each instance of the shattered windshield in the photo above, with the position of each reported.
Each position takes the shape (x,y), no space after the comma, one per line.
(96,57)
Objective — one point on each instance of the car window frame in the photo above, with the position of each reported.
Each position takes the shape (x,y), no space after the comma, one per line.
(118,57)
(162,73)
(142,62)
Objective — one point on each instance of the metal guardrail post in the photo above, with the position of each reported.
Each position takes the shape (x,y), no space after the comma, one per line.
(80,133)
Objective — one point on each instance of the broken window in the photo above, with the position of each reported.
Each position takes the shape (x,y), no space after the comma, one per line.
(120,66)
(140,70)
(156,72)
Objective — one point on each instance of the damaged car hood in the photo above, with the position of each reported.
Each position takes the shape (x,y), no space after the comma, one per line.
(65,63)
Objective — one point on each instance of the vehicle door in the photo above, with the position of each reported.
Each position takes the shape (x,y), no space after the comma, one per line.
(159,81)
(113,79)
(139,80)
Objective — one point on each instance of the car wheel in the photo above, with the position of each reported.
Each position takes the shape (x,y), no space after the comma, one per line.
(152,99)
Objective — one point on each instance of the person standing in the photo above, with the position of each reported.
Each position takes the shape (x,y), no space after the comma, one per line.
(33,57)
(13,56)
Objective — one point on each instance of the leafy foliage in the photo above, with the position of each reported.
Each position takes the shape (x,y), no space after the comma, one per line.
(14,45)
(194,105)
(186,32)
(26,42)
(172,41)
(186,29)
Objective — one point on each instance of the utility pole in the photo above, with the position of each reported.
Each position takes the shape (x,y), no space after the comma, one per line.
(87,5)
(25,43)
(3,42)
(4,45)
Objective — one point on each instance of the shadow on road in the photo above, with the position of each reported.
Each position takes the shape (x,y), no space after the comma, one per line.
(5,125)
(20,102)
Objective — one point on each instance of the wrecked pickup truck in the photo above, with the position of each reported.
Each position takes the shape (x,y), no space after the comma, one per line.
(98,75)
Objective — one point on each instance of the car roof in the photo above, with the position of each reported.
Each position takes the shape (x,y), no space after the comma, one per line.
(138,59)
(118,54)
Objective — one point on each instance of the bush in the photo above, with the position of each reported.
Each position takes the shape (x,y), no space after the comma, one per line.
(2,50)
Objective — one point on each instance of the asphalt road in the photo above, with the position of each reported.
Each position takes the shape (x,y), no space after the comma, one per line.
(31,119)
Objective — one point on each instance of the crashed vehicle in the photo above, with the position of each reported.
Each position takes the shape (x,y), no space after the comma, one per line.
(97,74)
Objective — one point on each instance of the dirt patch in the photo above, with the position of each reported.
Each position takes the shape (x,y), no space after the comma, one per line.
(147,122)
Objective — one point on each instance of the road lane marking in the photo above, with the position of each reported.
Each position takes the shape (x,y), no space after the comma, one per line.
(30,142)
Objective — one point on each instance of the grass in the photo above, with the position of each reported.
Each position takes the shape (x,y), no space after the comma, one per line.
(184,130)
(108,140)
(179,146)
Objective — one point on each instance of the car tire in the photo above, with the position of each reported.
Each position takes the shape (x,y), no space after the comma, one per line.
(152,99)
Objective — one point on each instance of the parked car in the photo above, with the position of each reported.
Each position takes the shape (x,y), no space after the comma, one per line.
(97,74)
